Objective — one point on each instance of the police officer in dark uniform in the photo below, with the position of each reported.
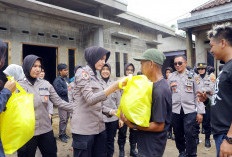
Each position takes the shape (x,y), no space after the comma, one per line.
(7,90)
(206,84)
(61,86)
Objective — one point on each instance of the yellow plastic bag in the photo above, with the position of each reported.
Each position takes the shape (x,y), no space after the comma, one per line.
(17,123)
(136,100)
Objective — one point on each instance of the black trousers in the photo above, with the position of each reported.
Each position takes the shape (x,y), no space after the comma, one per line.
(111,129)
(46,143)
(184,127)
(122,136)
(206,124)
(89,145)
(197,130)
(170,129)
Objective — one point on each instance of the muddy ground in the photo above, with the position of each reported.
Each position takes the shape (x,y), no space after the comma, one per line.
(65,149)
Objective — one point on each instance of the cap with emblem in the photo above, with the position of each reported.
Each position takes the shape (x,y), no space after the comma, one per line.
(154,55)
(201,65)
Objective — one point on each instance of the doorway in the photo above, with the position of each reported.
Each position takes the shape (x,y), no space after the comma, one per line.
(49,56)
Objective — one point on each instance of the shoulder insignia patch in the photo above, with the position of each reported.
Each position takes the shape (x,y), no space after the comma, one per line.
(46,98)
(212,78)
(85,75)
(197,80)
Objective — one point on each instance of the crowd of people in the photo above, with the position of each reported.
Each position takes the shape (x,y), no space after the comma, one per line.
(181,100)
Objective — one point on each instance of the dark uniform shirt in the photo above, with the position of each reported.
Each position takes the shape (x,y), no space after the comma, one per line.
(4,97)
(152,144)
(61,88)
(221,104)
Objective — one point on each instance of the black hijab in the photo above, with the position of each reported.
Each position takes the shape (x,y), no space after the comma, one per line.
(94,54)
(126,66)
(203,75)
(106,65)
(28,62)
(76,68)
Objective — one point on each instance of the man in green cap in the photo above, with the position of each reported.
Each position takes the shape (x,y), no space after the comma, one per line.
(151,141)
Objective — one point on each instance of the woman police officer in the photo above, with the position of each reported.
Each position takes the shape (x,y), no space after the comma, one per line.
(43,92)
(87,125)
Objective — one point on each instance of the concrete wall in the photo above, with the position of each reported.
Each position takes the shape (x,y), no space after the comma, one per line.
(201,47)
(132,47)
(16,21)
(84,35)
(173,43)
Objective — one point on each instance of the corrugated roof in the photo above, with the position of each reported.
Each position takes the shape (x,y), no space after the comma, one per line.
(211,4)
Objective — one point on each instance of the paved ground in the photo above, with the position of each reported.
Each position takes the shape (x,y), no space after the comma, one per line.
(65,150)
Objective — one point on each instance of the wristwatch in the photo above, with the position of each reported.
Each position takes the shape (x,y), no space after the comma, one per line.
(228,139)
(135,127)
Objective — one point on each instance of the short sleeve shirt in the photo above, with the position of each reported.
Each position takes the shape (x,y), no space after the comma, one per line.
(153,143)
(221,106)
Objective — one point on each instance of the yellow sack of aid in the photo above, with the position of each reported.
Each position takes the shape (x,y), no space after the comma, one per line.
(136,100)
(17,123)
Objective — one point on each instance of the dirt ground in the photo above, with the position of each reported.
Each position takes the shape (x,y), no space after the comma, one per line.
(65,149)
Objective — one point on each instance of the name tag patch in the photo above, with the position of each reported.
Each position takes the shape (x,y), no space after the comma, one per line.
(173,84)
(43,89)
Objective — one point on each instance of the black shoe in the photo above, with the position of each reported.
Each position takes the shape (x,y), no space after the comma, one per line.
(203,131)
(169,135)
(207,143)
(63,139)
(182,154)
(133,153)
(121,151)
(66,136)
(197,141)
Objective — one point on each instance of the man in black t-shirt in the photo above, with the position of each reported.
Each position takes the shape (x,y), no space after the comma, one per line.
(221,103)
(152,140)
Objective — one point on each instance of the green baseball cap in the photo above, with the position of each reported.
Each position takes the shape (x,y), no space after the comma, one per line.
(153,55)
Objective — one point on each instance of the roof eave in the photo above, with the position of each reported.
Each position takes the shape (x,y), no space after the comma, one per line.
(61,12)
(205,19)
(162,29)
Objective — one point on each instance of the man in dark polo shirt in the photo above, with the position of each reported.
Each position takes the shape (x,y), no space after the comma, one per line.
(152,140)
(221,104)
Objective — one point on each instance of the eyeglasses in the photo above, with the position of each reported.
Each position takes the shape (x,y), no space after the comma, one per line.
(130,70)
(200,68)
(178,63)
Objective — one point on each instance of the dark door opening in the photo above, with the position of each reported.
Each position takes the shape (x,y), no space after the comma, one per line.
(71,62)
(6,59)
(48,54)
(3,78)
(210,59)
(169,62)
